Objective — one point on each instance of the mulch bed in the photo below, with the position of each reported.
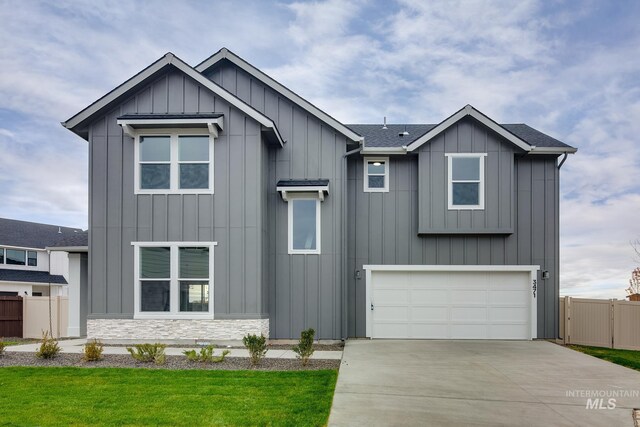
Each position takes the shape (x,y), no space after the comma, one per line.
(173,362)
(316,347)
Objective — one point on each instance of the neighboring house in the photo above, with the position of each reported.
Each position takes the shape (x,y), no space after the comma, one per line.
(36,260)
(222,203)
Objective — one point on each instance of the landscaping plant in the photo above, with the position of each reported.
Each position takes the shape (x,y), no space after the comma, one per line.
(148,353)
(205,355)
(304,348)
(257,346)
(92,351)
(2,346)
(48,347)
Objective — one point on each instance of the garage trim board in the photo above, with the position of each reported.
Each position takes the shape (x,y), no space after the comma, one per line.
(500,302)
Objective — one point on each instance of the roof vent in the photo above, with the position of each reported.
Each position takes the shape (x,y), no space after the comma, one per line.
(384,126)
(59,230)
(403,133)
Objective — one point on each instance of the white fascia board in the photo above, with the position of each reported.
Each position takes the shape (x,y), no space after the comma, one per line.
(383,150)
(395,267)
(130,125)
(468,110)
(68,249)
(301,189)
(174,243)
(12,282)
(23,248)
(224,53)
(552,150)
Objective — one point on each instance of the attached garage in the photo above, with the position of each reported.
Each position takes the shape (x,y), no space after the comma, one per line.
(451,302)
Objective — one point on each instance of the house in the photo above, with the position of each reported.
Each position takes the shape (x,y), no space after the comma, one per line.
(45,260)
(222,203)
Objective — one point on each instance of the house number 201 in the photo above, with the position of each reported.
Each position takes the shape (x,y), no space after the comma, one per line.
(535,287)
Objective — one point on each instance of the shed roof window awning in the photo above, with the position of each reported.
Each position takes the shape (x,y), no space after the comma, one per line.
(287,186)
(130,123)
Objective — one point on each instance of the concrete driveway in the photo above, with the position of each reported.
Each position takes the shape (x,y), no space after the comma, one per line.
(389,382)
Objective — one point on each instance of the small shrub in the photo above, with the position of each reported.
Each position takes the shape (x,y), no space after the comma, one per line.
(48,347)
(2,346)
(205,355)
(92,351)
(304,348)
(257,346)
(148,353)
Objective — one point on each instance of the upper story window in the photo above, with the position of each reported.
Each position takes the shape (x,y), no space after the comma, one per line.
(376,174)
(174,162)
(174,280)
(466,180)
(10,256)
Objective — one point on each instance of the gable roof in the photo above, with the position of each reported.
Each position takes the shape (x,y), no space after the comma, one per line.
(377,137)
(169,59)
(24,234)
(518,138)
(225,53)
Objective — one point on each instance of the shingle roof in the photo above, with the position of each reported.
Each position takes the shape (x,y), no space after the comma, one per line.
(30,276)
(79,239)
(32,234)
(320,182)
(170,116)
(376,136)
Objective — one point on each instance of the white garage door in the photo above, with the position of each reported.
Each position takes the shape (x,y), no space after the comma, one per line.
(451,304)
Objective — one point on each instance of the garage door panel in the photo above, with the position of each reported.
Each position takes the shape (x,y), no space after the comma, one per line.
(476,314)
(429,296)
(450,305)
(421,314)
(472,297)
(505,314)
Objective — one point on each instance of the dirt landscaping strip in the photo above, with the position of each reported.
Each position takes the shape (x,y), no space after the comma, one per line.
(172,362)
(316,347)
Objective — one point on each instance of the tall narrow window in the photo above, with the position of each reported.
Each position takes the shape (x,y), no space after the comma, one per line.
(304,226)
(376,174)
(32,258)
(155,279)
(194,279)
(466,181)
(1,255)
(155,162)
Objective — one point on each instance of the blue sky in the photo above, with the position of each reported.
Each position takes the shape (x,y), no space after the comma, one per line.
(568,68)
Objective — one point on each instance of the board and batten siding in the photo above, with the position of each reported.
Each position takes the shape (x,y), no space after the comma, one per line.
(383,228)
(304,290)
(466,136)
(234,216)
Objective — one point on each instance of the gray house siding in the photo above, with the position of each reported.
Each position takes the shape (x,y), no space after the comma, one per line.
(383,228)
(304,290)
(466,136)
(234,216)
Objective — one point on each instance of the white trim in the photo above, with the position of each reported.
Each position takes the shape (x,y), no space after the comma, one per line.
(174,162)
(481,182)
(174,294)
(25,248)
(11,282)
(224,53)
(365,184)
(532,269)
(171,59)
(68,249)
(376,151)
(468,110)
(303,196)
(287,191)
(552,150)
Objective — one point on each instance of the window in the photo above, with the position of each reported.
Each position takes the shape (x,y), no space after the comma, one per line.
(174,162)
(466,181)
(1,255)
(376,174)
(32,258)
(304,225)
(15,257)
(174,280)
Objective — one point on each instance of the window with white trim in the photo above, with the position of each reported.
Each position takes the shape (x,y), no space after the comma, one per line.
(304,224)
(179,161)
(174,280)
(465,180)
(376,174)
(24,257)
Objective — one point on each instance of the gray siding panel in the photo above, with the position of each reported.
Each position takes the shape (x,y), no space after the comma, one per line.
(118,217)
(371,216)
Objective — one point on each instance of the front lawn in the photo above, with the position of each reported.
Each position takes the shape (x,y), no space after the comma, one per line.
(628,358)
(99,396)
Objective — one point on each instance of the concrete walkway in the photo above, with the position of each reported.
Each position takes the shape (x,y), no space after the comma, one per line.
(76,345)
(454,383)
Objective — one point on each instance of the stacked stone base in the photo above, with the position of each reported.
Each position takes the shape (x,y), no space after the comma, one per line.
(175,329)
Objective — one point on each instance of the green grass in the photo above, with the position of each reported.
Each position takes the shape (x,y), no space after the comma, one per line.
(628,358)
(109,396)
